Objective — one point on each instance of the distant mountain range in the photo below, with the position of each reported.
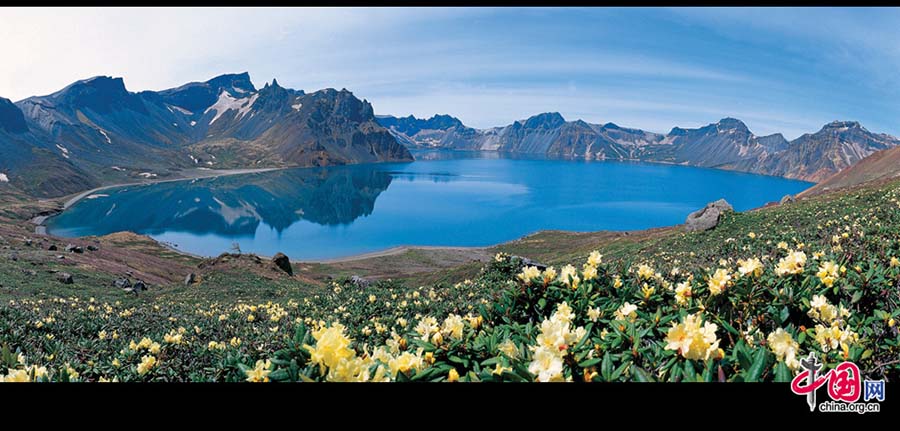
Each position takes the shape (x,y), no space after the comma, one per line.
(728,144)
(96,131)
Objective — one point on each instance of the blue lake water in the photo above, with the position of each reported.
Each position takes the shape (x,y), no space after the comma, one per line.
(441,199)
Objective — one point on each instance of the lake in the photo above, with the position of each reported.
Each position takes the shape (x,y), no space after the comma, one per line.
(441,199)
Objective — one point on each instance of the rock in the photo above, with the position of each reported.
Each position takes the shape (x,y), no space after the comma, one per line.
(130,290)
(122,283)
(359,281)
(72,248)
(52,247)
(528,262)
(707,217)
(92,248)
(14,256)
(787,199)
(28,242)
(283,263)
(139,285)
(190,279)
(59,256)
(65,278)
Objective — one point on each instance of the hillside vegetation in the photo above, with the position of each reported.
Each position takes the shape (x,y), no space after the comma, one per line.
(742,302)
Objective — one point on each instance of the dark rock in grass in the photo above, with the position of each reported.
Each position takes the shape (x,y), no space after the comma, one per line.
(524,261)
(72,248)
(92,248)
(14,256)
(787,199)
(28,242)
(122,283)
(359,281)
(139,285)
(65,278)
(190,279)
(283,263)
(707,217)
(52,247)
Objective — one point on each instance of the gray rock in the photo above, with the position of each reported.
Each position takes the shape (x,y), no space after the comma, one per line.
(72,248)
(122,283)
(52,247)
(528,262)
(65,278)
(190,279)
(14,256)
(359,281)
(707,217)
(139,285)
(283,262)
(92,248)
(787,199)
(130,290)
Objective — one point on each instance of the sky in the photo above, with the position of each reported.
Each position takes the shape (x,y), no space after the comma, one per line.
(781,70)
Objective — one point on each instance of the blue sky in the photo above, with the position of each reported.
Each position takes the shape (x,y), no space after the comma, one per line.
(780,70)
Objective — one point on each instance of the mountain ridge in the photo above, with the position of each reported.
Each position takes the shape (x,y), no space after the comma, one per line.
(726,144)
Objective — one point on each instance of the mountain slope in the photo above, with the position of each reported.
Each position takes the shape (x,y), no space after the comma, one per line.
(96,131)
(882,165)
(726,144)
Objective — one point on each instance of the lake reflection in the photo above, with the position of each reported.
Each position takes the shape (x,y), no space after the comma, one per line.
(450,199)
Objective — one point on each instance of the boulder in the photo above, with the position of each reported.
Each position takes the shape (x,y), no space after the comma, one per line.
(190,279)
(65,278)
(52,247)
(72,248)
(122,283)
(528,262)
(139,285)
(359,281)
(92,248)
(787,199)
(283,263)
(707,217)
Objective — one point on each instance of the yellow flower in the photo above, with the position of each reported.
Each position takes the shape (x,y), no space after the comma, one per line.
(16,376)
(595,258)
(589,272)
(546,364)
(453,376)
(647,291)
(719,281)
(683,292)
(750,266)
(332,346)
(154,348)
(626,311)
(828,273)
(593,314)
(751,235)
(251,317)
(645,272)
(793,263)
(549,275)
(372,299)
(692,340)
(101,335)
(453,326)
(352,370)
(235,342)
(405,362)
(894,262)
(259,373)
(617,282)
(499,369)
(784,347)
(147,363)
(509,349)
(782,245)
(529,273)
(891,322)
(116,363)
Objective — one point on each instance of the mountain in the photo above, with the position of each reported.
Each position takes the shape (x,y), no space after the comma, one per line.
(726,144)
(422,133)
(96,131)
(817,156)
(882,165)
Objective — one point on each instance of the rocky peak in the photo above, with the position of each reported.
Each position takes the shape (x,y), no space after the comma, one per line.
(100,94)
(841,126)
(239,81)
(547,120)
(729,123)
(11,117)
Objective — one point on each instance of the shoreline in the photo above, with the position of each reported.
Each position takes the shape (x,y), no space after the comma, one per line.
(41,229)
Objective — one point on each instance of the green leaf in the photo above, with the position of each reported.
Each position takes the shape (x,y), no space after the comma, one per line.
(759,365)
(785,314)
(606,368)
(856,297)
(589,363)
(641,375)
(782,373)
(690,374)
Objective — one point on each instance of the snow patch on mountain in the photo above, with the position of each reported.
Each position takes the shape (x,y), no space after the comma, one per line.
(3,178)
(102,132)
(227,102)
